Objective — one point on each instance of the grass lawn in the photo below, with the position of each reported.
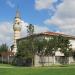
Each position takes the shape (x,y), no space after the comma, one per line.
(70,70)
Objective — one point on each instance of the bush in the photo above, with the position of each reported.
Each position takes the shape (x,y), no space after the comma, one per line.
(22,62)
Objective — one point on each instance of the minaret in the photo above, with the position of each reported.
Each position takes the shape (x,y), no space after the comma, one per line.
(17,30)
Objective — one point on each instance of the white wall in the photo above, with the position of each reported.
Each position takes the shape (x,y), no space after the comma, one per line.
(73,44)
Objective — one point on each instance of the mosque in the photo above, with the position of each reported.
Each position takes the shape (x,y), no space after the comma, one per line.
(58,58)
(48,60)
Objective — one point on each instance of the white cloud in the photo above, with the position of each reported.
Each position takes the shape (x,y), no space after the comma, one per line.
(67,9)
(24,28)
(39,29)
(43,4)
(64,17)
(47,4)
(5,32)
(53,21)
(10,3)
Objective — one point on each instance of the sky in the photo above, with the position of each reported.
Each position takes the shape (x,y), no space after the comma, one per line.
(45,15)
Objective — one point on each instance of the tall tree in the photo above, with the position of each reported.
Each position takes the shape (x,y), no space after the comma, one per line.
(40,46)
(51,47)
(24,53)
(30,29)
(56,43)
(3,48)
(64,45)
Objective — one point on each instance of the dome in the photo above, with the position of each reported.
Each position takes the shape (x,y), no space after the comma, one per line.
(17,27)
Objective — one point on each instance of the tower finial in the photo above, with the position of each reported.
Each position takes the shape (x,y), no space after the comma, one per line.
(17,13)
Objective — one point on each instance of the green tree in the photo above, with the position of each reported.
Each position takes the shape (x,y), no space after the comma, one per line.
(30,29)
(40,47)
(3,48)
(24,53)
(26,47)
(51,47)
(64,45)
(58,42)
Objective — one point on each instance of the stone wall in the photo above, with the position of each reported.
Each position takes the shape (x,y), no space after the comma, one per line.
(43,61)
(49,60)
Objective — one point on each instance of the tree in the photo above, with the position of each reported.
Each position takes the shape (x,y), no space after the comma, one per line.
(30,29)
(26,47)
(58,42)
(51,47)
(24,54)
(40,48)
(3,48)
(64,45)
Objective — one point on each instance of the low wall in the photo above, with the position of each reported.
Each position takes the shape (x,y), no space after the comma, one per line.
(49,60)
(43,61)
(5,59)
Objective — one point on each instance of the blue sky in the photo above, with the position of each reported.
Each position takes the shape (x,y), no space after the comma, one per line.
(28,11)
(45,15)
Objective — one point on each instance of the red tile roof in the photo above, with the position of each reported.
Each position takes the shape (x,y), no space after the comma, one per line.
(55,33)
(52,33)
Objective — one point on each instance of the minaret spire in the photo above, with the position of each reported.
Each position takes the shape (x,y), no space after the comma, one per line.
(17,29)
(17,13)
